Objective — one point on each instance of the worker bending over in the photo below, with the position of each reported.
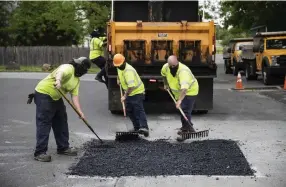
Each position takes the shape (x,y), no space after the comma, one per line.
(50,108)
(180,80)
(96,55)
(134,94)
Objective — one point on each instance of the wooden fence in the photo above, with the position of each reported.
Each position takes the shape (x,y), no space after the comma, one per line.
(39,55)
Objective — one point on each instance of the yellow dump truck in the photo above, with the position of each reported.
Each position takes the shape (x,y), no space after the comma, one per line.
(232,58)
(147,34)
(267,57)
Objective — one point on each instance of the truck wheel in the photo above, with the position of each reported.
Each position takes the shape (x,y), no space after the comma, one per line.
(116,112)
(227,69)
(235,69)
(203,111)
(248,74)
(267,79)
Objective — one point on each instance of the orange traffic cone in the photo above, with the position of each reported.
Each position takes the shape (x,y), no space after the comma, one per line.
(285,83)
(238,85)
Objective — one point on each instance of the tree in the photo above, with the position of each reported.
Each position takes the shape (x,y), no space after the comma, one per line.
(6,8)
(248,14)
(55,23)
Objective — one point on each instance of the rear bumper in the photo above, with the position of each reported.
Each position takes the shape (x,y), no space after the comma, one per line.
(276,71)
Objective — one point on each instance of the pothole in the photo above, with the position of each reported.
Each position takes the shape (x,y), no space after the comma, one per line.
(154,158)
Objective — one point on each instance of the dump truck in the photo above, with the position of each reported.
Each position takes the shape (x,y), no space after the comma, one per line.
(147,33)
(232,55)
(267,57)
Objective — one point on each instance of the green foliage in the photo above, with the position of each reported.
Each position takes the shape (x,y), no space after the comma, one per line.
(248,14)
(5,11)
(54,23)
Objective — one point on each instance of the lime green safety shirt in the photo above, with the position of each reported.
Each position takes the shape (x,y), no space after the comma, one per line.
(184,79)
(96,48)
(129,78)
(69,82)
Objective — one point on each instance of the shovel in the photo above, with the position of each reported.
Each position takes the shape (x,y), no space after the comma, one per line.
(121,136)
(189,135)
(84,120)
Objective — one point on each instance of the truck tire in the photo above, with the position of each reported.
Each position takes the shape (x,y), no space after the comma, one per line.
(227,68)
(250,72)
(235,69)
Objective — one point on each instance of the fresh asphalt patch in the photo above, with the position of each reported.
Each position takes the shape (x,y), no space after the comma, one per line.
(154,158)
(279,96)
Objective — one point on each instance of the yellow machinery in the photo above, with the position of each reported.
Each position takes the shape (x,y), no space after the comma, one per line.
(267,57)
(148,33)
(233,62)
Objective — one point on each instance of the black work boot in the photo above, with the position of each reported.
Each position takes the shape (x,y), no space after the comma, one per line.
(99,79)
(68,152)
(187,129)
(43,157)
(144,131)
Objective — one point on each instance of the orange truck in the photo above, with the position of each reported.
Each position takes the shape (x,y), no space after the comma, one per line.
(147,33)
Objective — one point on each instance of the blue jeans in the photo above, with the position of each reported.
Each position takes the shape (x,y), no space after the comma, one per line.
(135,111)
(50,114)
(187,106)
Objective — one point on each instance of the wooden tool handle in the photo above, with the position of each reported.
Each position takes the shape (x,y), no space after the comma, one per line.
(75,109)
(123,104)
(179,107)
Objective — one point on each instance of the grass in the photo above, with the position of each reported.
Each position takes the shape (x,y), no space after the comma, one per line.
(92,70)
(219,50)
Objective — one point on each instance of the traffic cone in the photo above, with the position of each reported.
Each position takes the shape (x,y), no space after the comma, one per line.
(285,83)
(238,85)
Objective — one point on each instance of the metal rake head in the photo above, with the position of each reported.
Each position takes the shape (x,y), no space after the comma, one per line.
(125,136)
(192,135)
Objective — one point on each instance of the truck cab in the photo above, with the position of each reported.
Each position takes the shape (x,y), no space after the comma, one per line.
(270,56)
(233,63)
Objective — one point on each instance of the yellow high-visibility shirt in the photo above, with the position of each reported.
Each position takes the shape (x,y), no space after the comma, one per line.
(96,48)
(184,79)
(129,78)
(69,84)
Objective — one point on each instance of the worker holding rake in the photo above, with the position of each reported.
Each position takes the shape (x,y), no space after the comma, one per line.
(50,108)
(134,94)
(180,80)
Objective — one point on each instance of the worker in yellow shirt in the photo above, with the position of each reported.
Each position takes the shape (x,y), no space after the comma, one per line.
(50,108)
(179,79)
(96,55)
(134,94)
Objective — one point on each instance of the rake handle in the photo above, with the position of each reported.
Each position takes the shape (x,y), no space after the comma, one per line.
(84,120)
(180,109)
(123,105)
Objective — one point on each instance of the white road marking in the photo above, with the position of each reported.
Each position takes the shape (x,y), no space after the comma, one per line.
(20,122)
(15,142)
(13,154)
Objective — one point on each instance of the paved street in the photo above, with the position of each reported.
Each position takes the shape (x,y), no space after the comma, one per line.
(252,118)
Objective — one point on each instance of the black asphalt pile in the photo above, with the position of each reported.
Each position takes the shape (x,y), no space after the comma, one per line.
(153,158)
(279,96)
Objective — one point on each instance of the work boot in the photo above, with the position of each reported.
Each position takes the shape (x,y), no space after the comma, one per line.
(133,130)
(144,131)
(99,79)
(68,152)
(43,157)
(186,130)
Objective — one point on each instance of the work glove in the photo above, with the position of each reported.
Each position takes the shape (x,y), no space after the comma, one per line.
(58,84)
(166,87)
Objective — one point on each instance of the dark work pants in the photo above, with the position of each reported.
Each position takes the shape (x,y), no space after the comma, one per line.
(187,106)
(50,114)
(100,62)
(135,111)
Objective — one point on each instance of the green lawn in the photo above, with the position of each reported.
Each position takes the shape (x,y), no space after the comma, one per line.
(93,69)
